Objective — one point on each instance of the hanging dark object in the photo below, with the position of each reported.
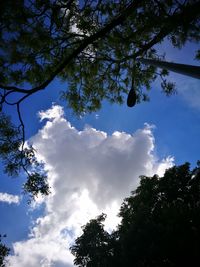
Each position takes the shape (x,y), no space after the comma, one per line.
(131,99)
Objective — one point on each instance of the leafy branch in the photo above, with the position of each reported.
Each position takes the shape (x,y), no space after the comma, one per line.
(92,45)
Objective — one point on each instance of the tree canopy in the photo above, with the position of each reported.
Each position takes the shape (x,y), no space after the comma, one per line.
(160,225)
(93,45)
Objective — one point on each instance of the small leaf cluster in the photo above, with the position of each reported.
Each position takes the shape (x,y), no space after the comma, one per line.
(4,251)
(17,158)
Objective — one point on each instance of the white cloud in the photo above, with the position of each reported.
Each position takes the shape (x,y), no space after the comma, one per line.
(89,172)
(189,90)
(54,113)
(10,199)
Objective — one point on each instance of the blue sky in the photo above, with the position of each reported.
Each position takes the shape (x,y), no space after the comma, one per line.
(90,168)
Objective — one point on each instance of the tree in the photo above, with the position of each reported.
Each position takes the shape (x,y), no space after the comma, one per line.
(91,248)
(4,251)
(160,223)
(95,246)
(91,44)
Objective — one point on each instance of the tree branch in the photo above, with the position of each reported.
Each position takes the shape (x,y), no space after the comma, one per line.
(188,14)
(89,40)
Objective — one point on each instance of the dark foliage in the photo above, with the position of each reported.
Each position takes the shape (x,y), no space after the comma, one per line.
(17,158)
(4,251)
(160,225)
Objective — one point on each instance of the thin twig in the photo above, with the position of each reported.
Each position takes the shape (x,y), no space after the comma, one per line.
(21,126)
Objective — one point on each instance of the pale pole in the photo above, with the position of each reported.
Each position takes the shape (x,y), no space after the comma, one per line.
(189,70)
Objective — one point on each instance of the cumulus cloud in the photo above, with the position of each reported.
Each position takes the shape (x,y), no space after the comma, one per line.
(89,172)
(10,199)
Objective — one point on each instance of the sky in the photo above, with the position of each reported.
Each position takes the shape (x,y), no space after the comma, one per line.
(94,162)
